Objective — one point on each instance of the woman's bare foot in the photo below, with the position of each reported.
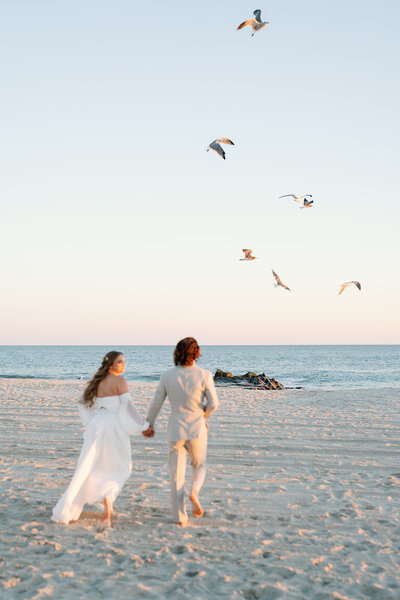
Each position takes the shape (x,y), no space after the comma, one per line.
(196,506)
(103,525)
(106,514)
(105,517)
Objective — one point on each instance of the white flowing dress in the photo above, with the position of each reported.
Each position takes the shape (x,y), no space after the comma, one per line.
(104,463)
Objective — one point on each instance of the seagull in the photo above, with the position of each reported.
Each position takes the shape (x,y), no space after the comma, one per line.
(297,198)
(256,24)
(307,203)
(345,285)
(215,145)
(247,255)
(279,282)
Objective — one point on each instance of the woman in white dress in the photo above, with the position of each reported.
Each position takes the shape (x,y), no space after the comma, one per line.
(109,415)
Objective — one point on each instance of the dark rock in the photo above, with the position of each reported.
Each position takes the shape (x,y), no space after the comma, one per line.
(250,380)
(219,373)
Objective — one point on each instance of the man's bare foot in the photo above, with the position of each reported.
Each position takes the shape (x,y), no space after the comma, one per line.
(196,506)
(183,523)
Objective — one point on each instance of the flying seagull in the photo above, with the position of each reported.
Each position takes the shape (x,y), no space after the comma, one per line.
(279,282)
(256,24)
(247,255)
(215,145)
(307,203)
(297,198)
(345,285)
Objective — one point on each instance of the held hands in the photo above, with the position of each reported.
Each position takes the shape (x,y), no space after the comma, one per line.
(149,432)
(205,418)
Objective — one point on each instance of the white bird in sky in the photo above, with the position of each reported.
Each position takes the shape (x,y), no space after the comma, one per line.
(256,24)
(297,198)
(279,282)
(215,145)
(345,285)
(247,255)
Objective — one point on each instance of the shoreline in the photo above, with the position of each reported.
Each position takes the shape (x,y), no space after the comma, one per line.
(219,386)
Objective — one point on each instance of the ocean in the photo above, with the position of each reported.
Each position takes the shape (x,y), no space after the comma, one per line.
(312,367)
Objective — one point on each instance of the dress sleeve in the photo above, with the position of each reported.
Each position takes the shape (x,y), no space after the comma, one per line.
(86,413)
(130,419)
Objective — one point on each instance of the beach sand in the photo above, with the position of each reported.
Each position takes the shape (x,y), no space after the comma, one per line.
(301,501)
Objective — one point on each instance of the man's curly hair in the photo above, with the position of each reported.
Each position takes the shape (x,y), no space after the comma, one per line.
(186,352)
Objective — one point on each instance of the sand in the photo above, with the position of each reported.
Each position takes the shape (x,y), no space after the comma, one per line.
(301,501)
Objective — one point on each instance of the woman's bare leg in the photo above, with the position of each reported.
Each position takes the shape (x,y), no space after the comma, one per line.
(106,514)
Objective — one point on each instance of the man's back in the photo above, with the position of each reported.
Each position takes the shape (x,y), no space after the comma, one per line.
(186,388)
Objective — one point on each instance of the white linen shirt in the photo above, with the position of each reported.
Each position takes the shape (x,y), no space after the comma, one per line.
(186,388)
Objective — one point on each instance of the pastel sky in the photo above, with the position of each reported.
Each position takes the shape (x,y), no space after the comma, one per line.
(117,227)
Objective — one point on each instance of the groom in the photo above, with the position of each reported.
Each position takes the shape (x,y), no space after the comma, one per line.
(186,386)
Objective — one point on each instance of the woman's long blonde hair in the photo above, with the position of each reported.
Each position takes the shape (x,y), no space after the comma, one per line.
(92,386)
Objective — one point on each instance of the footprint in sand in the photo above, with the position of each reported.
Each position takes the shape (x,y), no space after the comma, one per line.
(179,550)
(285,572)
(34,525)
(269,592)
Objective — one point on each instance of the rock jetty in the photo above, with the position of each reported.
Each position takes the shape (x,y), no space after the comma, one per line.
(250,380)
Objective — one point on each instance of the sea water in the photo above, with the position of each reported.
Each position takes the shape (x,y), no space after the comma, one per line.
(312,367)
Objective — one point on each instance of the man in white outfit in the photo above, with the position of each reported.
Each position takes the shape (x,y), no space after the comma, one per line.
(193,398)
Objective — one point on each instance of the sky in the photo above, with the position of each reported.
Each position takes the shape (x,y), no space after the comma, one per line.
(116,225)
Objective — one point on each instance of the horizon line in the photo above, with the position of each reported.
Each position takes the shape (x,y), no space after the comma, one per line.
(172,345)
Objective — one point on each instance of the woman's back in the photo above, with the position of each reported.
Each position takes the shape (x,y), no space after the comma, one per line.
(112,385)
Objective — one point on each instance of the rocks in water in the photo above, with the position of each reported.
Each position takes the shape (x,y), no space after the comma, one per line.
(250,380)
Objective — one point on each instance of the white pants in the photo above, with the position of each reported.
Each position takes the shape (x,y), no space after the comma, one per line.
(178,450)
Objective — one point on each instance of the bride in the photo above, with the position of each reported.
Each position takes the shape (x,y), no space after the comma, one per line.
(109,415)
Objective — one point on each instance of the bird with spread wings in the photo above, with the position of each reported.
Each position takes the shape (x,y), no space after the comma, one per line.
(296,198)
(216,145)
(256,24)
(279,282)
(247,254)
(345,285)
